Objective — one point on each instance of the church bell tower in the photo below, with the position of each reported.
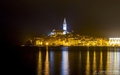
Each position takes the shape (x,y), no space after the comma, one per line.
(64,26)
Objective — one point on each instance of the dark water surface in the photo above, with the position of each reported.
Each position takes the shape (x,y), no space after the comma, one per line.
(61,61)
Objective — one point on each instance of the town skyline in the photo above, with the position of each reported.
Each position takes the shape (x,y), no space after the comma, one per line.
(22,20)
(65,38)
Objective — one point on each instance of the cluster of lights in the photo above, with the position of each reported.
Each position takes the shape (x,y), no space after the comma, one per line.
(114,41)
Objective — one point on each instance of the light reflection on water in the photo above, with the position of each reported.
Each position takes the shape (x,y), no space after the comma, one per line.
(47,62)
(52,64)
(101,60)
(79,63)
(65,62)
(113,62)
(39,68)
(94,61)
(88,62)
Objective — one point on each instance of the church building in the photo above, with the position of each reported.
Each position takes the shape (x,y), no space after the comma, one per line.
(60,32)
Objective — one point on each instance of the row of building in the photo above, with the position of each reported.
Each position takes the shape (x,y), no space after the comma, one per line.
(65,38)
(75,41)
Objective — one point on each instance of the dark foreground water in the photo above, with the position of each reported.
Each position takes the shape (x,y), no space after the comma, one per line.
(61,61)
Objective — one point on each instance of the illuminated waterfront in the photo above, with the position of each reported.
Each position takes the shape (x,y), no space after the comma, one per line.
(63,61)
(65,38)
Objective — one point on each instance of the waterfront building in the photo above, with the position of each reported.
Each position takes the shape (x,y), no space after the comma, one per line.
(38,41)
(114,41)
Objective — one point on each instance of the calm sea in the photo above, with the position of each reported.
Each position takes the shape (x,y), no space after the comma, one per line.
(61,61)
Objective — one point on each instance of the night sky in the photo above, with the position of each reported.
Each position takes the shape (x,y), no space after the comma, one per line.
(25,19)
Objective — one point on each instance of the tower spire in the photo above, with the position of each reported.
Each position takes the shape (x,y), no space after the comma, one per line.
(64,20)
(64,26)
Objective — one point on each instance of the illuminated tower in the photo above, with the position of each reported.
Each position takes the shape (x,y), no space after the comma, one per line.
(64,26)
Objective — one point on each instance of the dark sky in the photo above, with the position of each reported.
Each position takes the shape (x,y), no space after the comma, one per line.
(25,19)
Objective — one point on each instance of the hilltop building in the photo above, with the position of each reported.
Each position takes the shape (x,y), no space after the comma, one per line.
(60,32)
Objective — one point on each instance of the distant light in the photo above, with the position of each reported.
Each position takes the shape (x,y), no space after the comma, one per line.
(41,43)
(66,44)
(47,43)
(22,45)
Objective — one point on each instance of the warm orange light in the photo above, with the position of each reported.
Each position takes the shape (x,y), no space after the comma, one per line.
(47,43)
(41,43)
(66,44)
